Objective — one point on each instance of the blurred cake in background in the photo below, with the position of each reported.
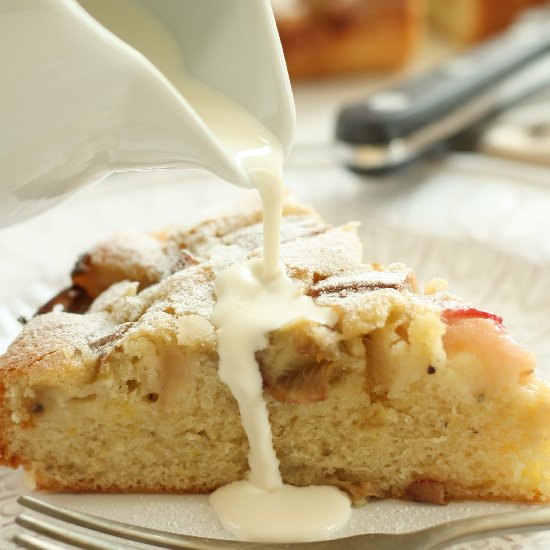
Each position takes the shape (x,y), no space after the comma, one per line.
(331,37)
(469,21)
(328,37)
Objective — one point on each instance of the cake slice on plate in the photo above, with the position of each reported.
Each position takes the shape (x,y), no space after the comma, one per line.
(411,394)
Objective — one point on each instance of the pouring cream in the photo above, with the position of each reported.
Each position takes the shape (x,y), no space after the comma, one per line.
(253,298)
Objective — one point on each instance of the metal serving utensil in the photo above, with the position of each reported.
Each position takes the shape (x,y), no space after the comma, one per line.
(432,538)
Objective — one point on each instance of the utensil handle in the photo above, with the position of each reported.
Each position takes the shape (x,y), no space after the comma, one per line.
(413,116)
(496,524)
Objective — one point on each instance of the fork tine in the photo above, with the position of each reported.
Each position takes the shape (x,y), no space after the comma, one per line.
(62,534)
(33,543)
(132,532)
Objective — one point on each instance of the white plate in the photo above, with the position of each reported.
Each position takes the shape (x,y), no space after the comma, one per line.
(479,225)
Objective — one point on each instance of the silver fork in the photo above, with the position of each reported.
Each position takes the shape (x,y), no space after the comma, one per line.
(426,539)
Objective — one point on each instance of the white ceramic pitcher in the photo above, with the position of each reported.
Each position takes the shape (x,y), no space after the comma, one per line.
(78,103)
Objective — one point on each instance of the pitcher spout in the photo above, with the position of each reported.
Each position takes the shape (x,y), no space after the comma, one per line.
(82,101)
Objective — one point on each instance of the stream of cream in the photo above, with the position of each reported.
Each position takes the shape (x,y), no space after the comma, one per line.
(253,298)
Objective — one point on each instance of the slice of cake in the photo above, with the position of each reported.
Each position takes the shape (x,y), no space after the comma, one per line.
(328,37)
(412,395)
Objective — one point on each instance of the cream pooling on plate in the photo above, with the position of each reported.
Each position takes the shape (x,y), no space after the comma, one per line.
(253,298)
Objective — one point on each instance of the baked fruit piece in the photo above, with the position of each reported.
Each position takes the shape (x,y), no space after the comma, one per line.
(328,37)
(411,395)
